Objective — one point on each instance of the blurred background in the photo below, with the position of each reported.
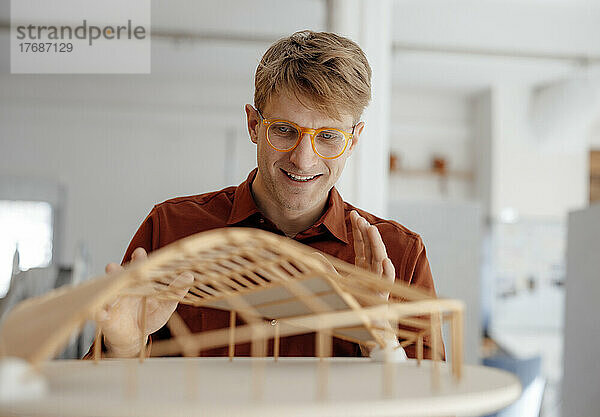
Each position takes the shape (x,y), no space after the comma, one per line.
(483,135)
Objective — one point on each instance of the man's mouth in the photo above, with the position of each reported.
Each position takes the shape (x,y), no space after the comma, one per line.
(300,178)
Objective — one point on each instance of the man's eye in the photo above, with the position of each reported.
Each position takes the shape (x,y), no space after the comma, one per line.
(283,129)
(329,136)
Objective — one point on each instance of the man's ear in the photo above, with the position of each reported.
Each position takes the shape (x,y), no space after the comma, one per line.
(253,121)
(354,141)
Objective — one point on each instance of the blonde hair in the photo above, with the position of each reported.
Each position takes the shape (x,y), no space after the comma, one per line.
(328,71)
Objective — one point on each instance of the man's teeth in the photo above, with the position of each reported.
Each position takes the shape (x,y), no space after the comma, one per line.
(300,178)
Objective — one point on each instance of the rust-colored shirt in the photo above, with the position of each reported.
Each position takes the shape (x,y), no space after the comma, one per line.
(235,207)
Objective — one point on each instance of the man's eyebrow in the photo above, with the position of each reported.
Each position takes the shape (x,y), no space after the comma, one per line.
(332,126)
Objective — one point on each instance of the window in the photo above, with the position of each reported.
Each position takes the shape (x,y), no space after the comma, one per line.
(28,227)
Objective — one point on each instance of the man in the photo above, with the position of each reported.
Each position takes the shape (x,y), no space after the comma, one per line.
(310,91)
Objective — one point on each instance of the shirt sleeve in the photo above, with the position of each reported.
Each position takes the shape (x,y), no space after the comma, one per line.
(147,236)
(417,269)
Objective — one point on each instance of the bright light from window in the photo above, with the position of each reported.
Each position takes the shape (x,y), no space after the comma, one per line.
(28,226)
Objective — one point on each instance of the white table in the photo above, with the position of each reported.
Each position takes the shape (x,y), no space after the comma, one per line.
(290,387)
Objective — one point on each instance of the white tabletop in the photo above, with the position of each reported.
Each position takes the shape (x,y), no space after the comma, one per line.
(290,387)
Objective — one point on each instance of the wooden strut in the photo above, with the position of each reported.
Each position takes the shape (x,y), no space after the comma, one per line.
(231,335)
(389,366)
(143,329)
(324,345)
(178,328)
(419,348)
(276,340)
(298,325)
(456,330)
(435,333)
(98,344)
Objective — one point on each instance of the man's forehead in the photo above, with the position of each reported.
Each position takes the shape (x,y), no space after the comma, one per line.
(297,109)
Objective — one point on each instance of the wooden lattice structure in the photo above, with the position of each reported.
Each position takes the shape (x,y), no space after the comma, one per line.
(276,285)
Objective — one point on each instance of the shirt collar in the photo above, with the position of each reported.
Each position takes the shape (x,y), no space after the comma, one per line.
(243,202)
(333,219)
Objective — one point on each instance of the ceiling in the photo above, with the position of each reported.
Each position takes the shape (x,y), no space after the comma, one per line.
(460,46)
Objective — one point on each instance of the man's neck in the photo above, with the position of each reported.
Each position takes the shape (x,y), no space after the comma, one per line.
(290,222)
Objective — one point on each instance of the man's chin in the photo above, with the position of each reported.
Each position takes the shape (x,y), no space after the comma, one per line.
(299,206)
(299,202)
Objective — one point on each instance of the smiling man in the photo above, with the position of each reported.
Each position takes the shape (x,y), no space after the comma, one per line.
(310,91)
(299,161)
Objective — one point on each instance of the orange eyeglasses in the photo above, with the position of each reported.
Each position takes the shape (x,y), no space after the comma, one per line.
(284,136)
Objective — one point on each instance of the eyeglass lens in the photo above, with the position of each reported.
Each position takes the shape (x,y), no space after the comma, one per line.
(328,143)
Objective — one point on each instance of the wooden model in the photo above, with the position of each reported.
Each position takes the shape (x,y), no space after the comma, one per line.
(278,287)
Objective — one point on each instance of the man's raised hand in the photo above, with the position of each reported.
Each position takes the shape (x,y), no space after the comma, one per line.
(121,321)
(369,250)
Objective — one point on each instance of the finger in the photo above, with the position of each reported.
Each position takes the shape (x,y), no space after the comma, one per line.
(139,254)
(359,244)
(328,265)
(377,248)
(181,285)
(178,287)
(112,268)
(364,230)
(389,273)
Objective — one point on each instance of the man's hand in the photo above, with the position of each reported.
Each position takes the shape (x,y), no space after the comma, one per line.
(121,322)
(369,250)
(370,254)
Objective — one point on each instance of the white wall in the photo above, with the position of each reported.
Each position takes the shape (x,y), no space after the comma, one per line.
(119,145)
(516,25)
(424,124)
(522,172)
(534,180)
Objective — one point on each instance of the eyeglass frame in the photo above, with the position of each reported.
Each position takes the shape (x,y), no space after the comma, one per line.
(306,130)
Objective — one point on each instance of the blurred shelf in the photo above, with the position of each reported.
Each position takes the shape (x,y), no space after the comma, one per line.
(464,175)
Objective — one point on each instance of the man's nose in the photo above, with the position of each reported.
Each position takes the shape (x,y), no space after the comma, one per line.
(303,156)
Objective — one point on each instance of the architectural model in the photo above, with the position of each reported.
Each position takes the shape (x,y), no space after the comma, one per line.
(278,287)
